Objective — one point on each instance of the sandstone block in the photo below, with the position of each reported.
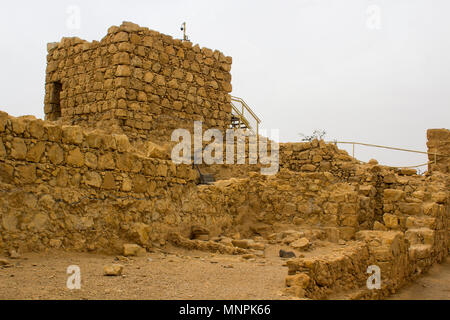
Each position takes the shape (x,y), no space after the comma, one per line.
(18,149)
(2,149)
(393,194)
(122,143)
(300,244)
(390,221)
(56,154)
(26,173)
(106,161)
(301,280)
(36,129)
(244,243)
(72,134)
(113,270)
(133,250)
(109,181)
(410,208)
(93,179)
(120,37)
(308,167)
(140,232)
(123,71)
(35,152)
(75,158)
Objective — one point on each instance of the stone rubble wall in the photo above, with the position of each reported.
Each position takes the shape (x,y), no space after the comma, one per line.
(439,142)
(407,231)
(412,235)
(75,188)
(139,82)
(298,198)
(70,185)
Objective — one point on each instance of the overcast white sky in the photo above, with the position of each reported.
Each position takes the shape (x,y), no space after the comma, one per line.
(374,71)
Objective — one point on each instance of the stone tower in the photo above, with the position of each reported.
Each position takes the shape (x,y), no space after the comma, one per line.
(137,81)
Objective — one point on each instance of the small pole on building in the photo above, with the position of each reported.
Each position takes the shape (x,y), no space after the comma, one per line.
(183,28)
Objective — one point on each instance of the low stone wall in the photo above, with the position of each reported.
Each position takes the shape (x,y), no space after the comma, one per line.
(322,275)
(317,156)
(298,198)
(439,143)
(69,187)
(345,271)
(63,185)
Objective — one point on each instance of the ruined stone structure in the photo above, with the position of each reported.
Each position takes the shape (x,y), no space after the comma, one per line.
(138,81)
(66,183)
(439,149)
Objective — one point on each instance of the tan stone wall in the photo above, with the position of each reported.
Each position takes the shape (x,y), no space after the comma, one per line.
(439,143)
(257,202)
(81,188)
(70,187)
(407,230)
(139,81)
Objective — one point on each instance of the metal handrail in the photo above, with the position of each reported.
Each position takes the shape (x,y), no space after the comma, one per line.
(241,116)
(233,98)
(393,148)
(241,113)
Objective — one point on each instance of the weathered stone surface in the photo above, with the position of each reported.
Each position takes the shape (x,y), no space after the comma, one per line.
(113,270)
(93,179)
(390,221)
(18,149)
(300,244)
(393,194)
(75,158)
(72,134)
(56,154)
(132,250)
(140,232)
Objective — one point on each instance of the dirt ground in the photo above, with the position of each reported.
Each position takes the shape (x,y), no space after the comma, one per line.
(173,273)
(433,285)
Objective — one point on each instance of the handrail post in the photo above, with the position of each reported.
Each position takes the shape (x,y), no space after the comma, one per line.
(257,130)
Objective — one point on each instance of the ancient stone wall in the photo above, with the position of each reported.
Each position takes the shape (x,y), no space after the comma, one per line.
(76,188)
(138,81)
(60,181)
(316,156)
(303,199)
(407,231)
(439,143)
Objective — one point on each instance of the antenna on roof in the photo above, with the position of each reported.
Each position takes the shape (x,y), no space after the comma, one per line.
(183,28)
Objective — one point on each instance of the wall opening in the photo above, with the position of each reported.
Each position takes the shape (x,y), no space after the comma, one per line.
(55,101)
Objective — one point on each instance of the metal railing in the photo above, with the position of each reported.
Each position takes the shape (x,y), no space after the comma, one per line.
(241,113)
(435,154)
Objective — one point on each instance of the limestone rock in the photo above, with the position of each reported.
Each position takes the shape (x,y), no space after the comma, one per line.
(390,221)
(133,250)
(140,232)
(244,243)
(300,244)
(4,262)
(113,270)
(301,280)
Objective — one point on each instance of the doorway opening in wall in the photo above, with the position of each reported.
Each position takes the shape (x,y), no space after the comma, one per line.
(55,101)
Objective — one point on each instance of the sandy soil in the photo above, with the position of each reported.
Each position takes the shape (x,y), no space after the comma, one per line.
(174,273)
(433,285)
